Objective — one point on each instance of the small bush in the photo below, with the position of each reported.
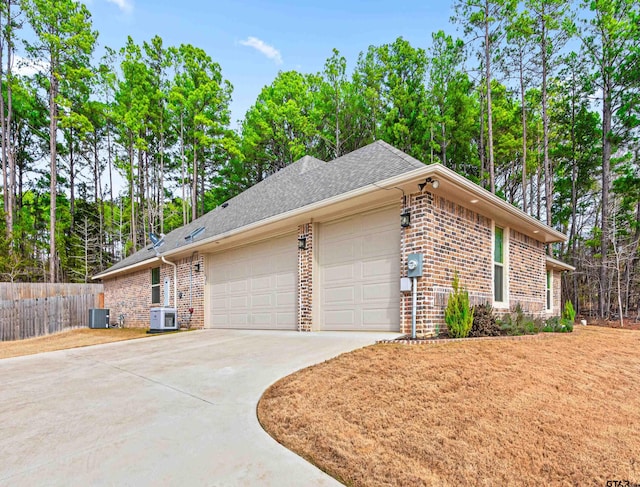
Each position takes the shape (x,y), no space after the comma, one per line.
(519,323)
(484,322)
(555,324)
(569,313)
(458,314)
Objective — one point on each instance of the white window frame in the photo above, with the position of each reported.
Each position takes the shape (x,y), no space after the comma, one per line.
(156,286)
(504,304)
(548,291)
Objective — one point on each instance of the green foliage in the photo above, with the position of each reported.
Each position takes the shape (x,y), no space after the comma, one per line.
(458,315)
(484,322)
(569,313)
(556,324)
(517,322)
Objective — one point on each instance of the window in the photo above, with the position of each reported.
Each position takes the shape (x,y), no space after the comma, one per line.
(155,285)
(549,294)
(498,265)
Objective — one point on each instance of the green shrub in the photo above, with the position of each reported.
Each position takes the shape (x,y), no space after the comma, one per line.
(484,322)
(458,314)
(556,324)
(569,313)
(520,323)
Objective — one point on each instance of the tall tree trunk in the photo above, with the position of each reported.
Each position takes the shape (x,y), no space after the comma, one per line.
(487,51)
(524,136)
(548,171)
(183,174)
(53,130)
(483,156)
(194,184)
(72,182)
(606,182)
(132,196)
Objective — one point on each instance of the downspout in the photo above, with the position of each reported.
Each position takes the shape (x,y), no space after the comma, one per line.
(175,281)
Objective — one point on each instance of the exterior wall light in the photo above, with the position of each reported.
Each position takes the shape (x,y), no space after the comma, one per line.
(302,243)
(405,219)
(196,267)
(434,183)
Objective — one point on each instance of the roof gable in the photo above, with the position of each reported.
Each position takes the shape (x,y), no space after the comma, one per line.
(306,181)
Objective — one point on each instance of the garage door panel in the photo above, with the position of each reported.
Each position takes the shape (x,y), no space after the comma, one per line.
(286,299)
(376,319)
(254,286)
(260,283)
(260,300)
(237,287)
(359,267)
(381,268)
(237,319)
(334,319)
(382,245)
(338,252)
(286,281)
(378,292)
(339,295)
(339,273)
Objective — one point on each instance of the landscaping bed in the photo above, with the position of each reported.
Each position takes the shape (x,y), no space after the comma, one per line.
(563,410)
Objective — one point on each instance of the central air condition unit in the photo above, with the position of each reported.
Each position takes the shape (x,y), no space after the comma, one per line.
(98,318)
(164,319)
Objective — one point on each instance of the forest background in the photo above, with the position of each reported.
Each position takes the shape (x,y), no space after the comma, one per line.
(538,101)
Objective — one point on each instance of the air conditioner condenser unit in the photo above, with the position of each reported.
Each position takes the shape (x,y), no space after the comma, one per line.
(164,319)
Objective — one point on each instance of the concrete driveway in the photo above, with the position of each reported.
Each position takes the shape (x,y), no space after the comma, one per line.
(166,410)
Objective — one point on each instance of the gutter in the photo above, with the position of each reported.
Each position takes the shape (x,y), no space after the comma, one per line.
(175,281)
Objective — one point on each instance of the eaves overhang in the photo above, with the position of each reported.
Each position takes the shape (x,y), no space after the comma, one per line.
(452,186)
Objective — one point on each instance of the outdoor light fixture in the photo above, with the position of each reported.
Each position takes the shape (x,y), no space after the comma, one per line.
(196,267)
(405,218)
(302,242)
(434,182)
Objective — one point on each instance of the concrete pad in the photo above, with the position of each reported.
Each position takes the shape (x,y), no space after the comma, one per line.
(165,410)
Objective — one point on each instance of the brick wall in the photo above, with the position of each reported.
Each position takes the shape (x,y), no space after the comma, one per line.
(557,293)
(130,294)
(452,238)
(455,238)
(527,273)
(305,279)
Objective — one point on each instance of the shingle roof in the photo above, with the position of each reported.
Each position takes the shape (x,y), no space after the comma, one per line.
(306,181)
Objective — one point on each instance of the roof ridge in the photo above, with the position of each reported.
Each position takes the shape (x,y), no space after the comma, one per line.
(403,155)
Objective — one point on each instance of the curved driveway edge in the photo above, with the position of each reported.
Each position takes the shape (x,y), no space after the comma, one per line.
(168,410)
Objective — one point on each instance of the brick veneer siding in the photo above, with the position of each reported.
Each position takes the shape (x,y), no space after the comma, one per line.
(455,238)
(527,273)
(452,238)
(305,279)
(130,294)
(556,291)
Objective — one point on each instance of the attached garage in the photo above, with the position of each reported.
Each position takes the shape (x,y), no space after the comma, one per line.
(359,271)
(254,287)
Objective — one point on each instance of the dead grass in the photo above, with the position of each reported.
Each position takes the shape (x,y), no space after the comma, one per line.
(69,339)
(563,410)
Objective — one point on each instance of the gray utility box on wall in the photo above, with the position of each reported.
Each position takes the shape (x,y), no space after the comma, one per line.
(98,318)
(164,319)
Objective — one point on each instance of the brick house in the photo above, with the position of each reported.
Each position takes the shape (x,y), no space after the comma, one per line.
(323,245)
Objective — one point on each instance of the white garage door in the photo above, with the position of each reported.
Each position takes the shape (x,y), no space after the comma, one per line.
(255,286)
(359,260)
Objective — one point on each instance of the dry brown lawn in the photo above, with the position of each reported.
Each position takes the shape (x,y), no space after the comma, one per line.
(559,410)
(80,337)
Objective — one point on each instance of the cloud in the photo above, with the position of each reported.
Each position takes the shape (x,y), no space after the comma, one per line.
(269,51)
(28,67)
(125,6)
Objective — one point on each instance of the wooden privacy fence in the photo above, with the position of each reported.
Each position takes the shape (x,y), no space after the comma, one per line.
(30,310)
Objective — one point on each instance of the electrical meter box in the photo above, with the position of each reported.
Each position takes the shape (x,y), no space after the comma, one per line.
(414,265)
